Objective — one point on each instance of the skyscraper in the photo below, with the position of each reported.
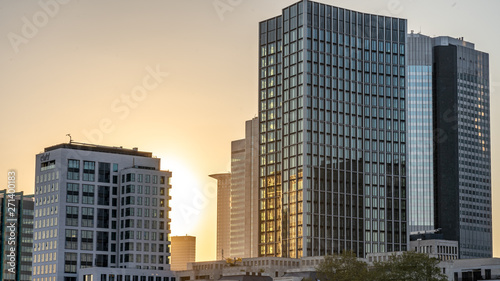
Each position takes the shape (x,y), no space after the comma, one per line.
(183,252)
(449,137)
(22,240)
(462,156)
(222,247)
(420,134)
(244,219)
(332,163)
(100,212)
(238,198)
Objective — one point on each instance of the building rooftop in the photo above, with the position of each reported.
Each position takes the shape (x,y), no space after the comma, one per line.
(100,148)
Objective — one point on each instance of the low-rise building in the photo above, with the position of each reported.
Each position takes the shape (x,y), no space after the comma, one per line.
(471,269)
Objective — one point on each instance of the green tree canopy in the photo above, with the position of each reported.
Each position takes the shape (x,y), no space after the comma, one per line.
(342,267)
(410,266)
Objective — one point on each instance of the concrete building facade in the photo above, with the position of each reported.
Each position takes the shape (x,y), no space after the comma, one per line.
(223,247)
(244,219)
(100,207)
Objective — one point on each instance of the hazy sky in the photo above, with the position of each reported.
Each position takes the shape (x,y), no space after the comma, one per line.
(177,78)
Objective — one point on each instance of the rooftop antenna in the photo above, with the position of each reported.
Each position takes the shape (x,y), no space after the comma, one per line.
(70,139)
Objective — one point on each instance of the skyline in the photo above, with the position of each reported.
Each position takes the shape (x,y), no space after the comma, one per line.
(117,63)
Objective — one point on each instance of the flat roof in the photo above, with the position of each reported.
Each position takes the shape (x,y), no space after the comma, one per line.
(99,148)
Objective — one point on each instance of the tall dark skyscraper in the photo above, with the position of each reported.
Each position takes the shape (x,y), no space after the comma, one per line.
(462,146)
(332,132)
(449,137)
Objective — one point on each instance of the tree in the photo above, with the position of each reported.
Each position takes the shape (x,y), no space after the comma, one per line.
(410,266)
(342,267)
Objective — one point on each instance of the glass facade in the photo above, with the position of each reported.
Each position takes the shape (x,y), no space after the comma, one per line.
(474,163)
(462,157)
(420,134)
(23,219)
(332,132)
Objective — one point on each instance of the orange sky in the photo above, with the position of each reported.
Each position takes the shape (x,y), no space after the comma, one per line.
(82,67)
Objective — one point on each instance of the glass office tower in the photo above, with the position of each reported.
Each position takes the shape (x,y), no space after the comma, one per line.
(420,132)
(332,132)
(449,142)
(462,145)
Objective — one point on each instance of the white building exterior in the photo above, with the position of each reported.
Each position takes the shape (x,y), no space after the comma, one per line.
(100,207)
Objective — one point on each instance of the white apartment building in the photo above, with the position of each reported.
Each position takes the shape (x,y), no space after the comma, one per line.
(104,208)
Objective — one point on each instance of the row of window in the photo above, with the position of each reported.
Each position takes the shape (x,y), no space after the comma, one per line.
(47,177)
(103,173)
(131,177)
(113,277)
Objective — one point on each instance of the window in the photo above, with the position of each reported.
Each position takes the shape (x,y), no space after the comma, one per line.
(73,169)
(88,194)
(87,217)
(102,261)
(102,241)
(70,262)
(47,165)
(130,188)
(115,167)
(71,239)
(130,177)
(103,195)
(104,172)
(88,171)
(72,192)
(103,218)
(71,216)
(129,200)
(87,240)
